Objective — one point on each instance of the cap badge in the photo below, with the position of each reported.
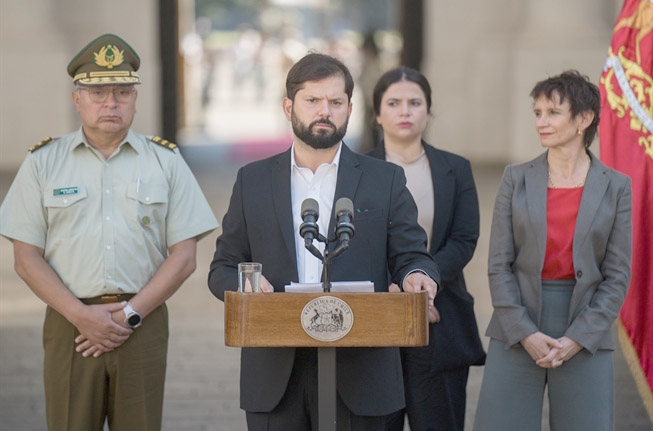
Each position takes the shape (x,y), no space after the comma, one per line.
(109,56)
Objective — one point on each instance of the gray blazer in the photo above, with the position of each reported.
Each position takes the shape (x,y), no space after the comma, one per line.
(601,253)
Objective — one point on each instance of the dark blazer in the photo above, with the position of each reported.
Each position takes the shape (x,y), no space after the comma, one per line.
(454,235)
(258,226)
(601,252)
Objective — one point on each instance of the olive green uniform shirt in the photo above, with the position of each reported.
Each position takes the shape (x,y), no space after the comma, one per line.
(105,224)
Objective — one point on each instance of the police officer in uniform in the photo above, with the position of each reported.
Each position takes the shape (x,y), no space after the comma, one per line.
(104,224)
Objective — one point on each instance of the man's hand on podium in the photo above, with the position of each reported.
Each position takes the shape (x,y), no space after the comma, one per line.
(418,281)
(434,314)
(265,285)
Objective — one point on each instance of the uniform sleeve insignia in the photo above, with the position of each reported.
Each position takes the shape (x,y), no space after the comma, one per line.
(40,144)
(164,142)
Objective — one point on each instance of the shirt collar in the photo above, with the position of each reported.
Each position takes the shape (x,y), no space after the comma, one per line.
(130,139)
(336,158)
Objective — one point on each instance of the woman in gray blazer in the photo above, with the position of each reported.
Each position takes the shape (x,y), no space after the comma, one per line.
(559,269)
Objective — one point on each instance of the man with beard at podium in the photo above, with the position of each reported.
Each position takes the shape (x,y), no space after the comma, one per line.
(278,388)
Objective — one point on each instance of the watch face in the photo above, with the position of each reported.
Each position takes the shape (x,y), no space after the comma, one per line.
(134,320)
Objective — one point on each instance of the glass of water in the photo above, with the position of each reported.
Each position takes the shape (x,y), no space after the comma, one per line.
(249,276)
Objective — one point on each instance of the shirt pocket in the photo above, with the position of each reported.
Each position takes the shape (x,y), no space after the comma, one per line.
(150,202)
(65,209)
(367,214)
(50,200)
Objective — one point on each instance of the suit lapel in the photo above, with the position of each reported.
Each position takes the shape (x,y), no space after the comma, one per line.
(443,187)
(347,184)
(536,178)
(596,185)
(282,202)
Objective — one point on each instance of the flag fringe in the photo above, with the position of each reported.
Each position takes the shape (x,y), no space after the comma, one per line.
(635,369)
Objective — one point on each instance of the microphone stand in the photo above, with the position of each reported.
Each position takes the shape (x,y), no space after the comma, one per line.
(326,259)
(326,262)
(326,356)
(309,230)
(326,265)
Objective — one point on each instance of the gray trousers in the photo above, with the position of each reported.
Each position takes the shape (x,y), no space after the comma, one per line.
(581,391)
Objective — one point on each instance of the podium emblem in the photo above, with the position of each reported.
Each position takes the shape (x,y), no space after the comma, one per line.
(327,318)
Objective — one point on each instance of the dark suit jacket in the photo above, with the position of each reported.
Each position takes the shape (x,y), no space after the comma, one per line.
(258,226)
(601,252)
(454,235)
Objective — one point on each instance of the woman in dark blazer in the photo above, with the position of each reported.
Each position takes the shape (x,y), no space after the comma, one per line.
(559,269)
(435,376)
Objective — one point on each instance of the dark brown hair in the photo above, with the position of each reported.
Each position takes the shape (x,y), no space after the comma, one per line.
(579,91)
(315,67)
(402,73)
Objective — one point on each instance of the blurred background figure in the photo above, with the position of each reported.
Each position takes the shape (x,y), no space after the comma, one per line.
(249,49)
(370,72)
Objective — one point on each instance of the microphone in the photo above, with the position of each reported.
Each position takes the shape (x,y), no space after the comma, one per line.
(309,229)
(344,216)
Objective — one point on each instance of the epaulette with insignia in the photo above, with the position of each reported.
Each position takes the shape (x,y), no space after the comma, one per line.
(164,142)
(40,144)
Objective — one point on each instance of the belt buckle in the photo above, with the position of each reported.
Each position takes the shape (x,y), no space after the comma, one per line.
(107,299)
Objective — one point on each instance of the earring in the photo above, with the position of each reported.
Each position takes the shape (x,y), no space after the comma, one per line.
(580,132)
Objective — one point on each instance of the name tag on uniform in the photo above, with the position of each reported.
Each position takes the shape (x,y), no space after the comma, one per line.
(66,191)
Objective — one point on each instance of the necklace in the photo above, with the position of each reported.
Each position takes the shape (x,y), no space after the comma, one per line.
(580,183)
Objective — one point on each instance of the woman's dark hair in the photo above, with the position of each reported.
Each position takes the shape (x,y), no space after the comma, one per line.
(582,94)
(401,73)
(315,67)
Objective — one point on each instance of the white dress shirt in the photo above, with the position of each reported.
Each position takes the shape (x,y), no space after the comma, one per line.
(320,186)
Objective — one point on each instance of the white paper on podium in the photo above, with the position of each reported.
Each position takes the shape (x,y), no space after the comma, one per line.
(336,286)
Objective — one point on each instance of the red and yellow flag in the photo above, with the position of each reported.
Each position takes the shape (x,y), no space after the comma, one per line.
(626,139)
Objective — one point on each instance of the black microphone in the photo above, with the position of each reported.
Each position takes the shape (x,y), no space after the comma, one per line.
(309,229)
(344,217)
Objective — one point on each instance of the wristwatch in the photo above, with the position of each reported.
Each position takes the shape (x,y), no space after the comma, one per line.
(132,318)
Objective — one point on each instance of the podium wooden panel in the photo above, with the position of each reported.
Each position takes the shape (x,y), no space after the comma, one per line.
(381,319)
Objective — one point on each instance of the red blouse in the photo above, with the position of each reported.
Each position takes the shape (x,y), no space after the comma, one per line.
(561,212)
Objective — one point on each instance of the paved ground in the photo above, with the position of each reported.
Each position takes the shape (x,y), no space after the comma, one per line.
(202,382)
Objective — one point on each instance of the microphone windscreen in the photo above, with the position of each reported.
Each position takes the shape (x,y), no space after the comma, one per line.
(310,204)
(345,204)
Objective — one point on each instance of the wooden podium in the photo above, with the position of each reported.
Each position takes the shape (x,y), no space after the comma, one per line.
(326,321)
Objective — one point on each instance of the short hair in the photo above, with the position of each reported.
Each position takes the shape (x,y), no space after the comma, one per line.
(579,91)
(401,73)
(315,67)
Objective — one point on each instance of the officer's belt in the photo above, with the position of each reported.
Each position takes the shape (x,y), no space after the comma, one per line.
(107,299)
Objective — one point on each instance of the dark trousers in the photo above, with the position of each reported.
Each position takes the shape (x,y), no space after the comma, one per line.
(123,387)
(298,409)
(434,401)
